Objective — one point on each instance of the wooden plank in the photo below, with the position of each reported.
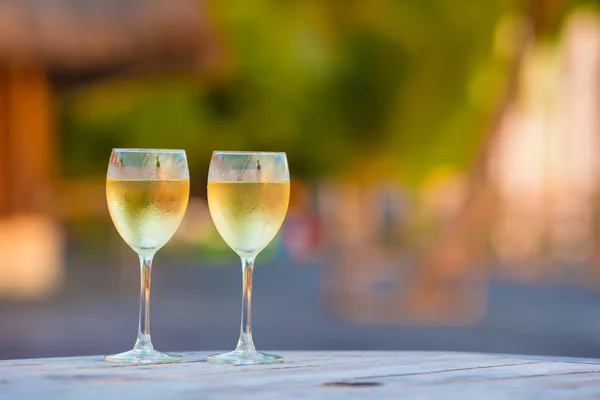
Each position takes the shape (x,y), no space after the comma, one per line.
(309,375)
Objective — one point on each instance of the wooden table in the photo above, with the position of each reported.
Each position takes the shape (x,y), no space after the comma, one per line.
(309,375)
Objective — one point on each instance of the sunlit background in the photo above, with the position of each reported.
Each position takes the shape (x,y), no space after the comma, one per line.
(444,159)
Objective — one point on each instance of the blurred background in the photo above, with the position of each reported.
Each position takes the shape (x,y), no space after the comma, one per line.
(444,153)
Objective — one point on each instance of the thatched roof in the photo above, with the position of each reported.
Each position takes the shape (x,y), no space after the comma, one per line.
(82,35)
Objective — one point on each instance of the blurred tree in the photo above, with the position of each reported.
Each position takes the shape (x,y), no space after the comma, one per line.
(370,87)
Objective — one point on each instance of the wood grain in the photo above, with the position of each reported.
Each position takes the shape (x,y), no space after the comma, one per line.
(309,375)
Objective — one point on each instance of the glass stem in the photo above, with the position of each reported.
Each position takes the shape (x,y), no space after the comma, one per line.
(144,342)
(245,343)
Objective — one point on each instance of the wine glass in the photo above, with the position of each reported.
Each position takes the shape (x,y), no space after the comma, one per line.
(248,195)
(147,194)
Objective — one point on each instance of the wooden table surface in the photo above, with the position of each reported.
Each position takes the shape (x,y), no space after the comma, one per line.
(309,375)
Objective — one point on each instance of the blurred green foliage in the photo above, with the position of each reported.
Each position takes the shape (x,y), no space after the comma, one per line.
(392,87)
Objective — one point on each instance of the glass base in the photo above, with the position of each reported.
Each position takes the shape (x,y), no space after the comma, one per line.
(143,357)
(238,357)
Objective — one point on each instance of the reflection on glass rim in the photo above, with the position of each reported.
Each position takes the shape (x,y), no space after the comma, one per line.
(148,150)
(262,153)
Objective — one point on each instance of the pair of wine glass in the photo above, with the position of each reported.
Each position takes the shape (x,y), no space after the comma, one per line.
(147,192)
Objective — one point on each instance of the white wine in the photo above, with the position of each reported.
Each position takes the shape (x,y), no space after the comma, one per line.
(147,212)
(248,215)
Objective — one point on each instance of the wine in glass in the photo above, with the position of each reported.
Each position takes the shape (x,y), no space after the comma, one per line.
(147,193)
(248,195)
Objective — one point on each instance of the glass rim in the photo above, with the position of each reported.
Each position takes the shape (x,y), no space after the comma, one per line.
(261,153)
(140,150)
